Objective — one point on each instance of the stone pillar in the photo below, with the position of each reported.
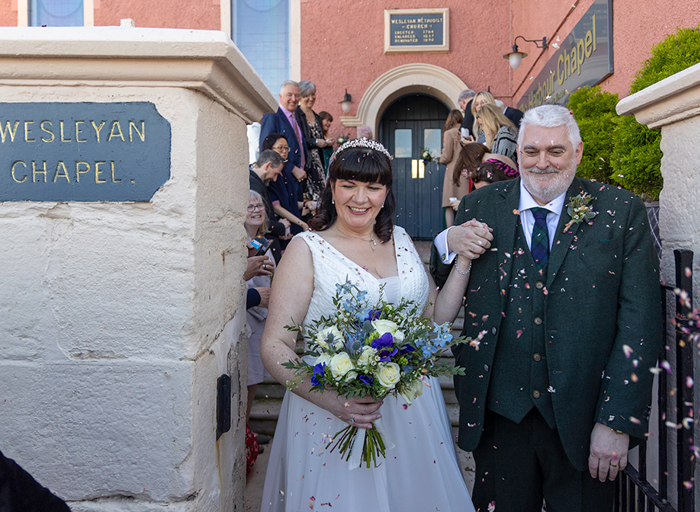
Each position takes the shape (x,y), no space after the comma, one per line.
(118,316)
(673,105)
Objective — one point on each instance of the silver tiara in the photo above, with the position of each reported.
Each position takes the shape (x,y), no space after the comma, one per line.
(363,142)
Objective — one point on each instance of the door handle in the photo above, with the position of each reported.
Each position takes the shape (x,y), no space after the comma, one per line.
(417,169)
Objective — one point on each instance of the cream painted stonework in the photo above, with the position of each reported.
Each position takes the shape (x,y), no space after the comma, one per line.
(118,318)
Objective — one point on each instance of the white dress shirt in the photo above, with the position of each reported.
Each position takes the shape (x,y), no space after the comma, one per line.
(527,219)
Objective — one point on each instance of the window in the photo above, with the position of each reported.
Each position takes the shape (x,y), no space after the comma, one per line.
(260,29)
(403,147)
(56,13)
(432,138)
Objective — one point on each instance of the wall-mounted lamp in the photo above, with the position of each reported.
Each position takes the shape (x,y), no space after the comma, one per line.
(515,57)
(346,103)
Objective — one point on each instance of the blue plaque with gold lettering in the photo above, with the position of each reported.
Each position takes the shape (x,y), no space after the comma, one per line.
(82,151)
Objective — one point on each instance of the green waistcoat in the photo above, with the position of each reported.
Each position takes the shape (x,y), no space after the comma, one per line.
(519,379)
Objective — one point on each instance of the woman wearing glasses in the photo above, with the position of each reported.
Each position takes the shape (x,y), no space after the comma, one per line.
(286,192)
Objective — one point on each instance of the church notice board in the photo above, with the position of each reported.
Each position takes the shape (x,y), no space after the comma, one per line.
(416,30)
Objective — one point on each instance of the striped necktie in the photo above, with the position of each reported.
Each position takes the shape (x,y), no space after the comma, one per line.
(540,238)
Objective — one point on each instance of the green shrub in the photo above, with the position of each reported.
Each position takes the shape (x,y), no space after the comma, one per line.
(636,162)
(596,117)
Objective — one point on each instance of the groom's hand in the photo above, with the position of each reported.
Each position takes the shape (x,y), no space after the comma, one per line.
(471,239)
(608,452)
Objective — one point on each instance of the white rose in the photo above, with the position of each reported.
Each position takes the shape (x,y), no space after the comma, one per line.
(389,374)
(367,356)
(325,334)
(399,336)
(384,326)
(323,358)
(412,390)
(350,376)
(341,364)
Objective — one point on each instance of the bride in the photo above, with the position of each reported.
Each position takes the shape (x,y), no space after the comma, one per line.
(355,238)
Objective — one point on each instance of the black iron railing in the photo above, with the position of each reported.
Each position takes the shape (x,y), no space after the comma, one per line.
(675,401)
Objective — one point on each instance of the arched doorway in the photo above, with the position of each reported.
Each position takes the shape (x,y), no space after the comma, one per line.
(408,124)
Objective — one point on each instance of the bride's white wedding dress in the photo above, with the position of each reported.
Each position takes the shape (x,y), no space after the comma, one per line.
(420,474)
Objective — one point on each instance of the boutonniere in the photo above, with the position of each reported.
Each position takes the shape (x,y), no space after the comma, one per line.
(579,209)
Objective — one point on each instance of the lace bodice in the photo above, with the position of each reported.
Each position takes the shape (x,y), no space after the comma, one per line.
(331,267)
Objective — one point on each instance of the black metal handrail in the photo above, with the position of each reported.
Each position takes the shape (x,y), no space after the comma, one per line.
(634,492)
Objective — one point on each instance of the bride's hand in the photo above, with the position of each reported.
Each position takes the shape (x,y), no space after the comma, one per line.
(357,412)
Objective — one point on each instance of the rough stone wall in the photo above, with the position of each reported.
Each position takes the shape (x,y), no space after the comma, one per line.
(117,319)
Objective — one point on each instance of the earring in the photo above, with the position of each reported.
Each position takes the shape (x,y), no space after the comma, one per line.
(382,205)
(332,201)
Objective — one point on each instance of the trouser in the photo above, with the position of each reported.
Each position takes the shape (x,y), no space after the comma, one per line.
(520,464)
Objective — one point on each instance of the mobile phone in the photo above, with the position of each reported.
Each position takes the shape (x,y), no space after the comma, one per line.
(261,245)
(465,132)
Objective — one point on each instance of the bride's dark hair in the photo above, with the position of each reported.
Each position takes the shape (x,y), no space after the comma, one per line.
(367,166)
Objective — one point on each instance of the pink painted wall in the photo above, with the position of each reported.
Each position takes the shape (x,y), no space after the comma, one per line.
(8,13)
(194,14)
(342,45)
(636,28)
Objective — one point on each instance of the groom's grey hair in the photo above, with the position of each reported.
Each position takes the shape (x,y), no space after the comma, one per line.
(551,116)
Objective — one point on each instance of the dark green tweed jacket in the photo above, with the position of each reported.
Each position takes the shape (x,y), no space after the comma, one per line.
(602,313)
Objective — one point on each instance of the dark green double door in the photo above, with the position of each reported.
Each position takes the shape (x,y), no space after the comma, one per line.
(409,124)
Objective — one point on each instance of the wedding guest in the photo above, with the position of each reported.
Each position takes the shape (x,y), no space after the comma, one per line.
(568,300)
(364,131)
(500,134)
(471,156)
(465,102)
(312,131)
(489,172)
(451,147)
(285,193)
(263,172)
(486,98)
(326,120)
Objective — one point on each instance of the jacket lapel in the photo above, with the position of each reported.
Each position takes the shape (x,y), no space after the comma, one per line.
(510,195)
(563,240)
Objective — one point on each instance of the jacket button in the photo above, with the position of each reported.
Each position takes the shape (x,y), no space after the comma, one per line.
(539,285)
(538,320)
(536,394)
(537,357)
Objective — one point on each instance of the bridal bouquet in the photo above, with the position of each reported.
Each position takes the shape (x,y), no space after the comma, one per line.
(371,350)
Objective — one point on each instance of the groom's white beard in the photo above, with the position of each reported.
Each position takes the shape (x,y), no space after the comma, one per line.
(549,183)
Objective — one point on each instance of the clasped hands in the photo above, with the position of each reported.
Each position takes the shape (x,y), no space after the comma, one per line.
(470,240)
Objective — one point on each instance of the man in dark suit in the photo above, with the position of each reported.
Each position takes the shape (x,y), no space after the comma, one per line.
(514,114)
(567,297)
(465,103)
(285,122)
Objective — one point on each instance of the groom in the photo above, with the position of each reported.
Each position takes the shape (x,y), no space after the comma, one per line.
(568,298)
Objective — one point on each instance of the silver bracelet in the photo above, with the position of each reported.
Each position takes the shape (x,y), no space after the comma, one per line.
(463,272)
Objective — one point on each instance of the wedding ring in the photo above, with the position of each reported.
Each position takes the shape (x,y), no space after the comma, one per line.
(613,465)
(352,418)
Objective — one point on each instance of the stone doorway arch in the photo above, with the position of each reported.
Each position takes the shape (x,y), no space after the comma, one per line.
(410,78)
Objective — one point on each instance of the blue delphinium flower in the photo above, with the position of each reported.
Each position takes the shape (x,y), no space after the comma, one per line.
(319,374)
